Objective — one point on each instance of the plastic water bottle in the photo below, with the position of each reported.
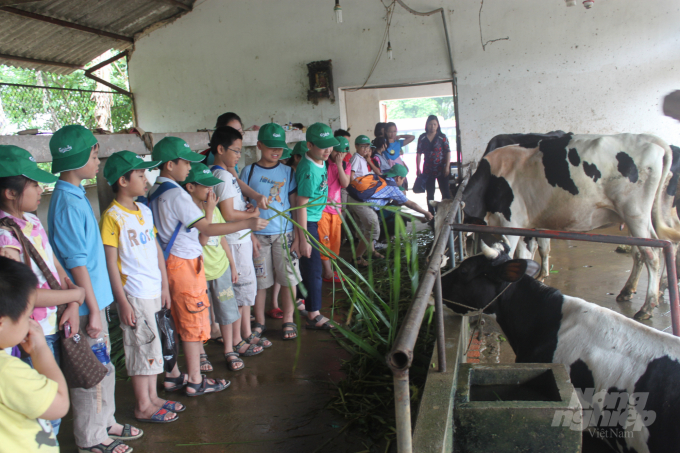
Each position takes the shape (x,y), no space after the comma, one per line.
(99,349)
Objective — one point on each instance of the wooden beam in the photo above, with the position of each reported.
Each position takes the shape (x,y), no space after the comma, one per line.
(17,2)
(41,62)
(177,4)
(63,23)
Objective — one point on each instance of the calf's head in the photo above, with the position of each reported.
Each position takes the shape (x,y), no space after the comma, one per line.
(480,278)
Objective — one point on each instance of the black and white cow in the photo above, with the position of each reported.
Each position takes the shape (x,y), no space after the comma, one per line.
(579,183)
(607,355)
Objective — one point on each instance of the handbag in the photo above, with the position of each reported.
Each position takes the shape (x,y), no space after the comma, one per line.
(80,366)
(419,184)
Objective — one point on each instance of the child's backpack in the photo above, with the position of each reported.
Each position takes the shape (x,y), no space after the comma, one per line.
(149,202)
(365,187)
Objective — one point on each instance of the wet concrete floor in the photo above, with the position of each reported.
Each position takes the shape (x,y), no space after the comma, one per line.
(269,407)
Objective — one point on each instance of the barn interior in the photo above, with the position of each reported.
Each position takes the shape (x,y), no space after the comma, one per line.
(599,67)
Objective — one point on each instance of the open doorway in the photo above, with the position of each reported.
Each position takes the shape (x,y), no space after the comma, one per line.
(408,107)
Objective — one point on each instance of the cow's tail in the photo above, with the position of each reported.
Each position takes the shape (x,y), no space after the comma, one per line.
(663,230)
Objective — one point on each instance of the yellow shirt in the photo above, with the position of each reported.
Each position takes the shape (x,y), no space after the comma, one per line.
(25,394)
(214,257)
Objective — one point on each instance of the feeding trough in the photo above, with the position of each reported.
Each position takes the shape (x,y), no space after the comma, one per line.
(511,408)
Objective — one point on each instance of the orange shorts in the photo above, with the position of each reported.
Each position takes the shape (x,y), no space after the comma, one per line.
(189,293)
(330,230)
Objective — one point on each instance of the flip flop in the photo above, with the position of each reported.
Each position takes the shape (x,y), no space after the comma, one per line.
(158,417)
(172,407)
(285,331)
(179,381)
(231,363)
(126,434)
(311,324)
(204,387)
(275,313)
(206,362)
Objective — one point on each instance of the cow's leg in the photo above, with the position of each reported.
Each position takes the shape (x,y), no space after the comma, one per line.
(650,257)
(523,251)
(544,251)
(512,242)
(630,287)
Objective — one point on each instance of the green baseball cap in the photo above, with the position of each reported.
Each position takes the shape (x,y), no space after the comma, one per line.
(70,147)
(363,140)
(15,161)
(300,148)
(272,136)
(201,174)
(286,154)
(321,135)
(396,170)
(171,148)
(342,146)
(124,161)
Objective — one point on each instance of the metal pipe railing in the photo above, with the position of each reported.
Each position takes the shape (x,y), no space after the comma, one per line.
(603,238)
(399,359)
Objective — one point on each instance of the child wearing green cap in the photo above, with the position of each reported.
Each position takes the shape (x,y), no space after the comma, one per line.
(20,194)
(330,225)
(361,163)
(77,244)
(176,215)
(312,181)
(220,271)
(277,261)
(226,144)
(139,281)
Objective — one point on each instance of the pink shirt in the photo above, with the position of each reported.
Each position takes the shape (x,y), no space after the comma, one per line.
(34,231)
(334,188)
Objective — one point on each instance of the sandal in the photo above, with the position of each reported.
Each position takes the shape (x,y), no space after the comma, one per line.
(172,406)
(275,313)
(126,434)
(104,448)
(206,363)
(261,341)
(250,351)
(257,325)
(231,364)
(158,417)
(293,329)
(362,263)
(312,324)
(179,381)
(219,340)
(204,387)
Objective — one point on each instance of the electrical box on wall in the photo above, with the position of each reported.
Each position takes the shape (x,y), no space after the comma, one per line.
(320,81)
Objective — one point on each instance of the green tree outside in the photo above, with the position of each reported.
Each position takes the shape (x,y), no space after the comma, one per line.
(421,107)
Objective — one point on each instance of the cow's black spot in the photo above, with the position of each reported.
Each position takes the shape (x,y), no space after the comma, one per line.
(487,193)
(555,163)
(524,140)
(660,382)
(574,158)
(581,376)
(591,171)
(627,167)
(675,171)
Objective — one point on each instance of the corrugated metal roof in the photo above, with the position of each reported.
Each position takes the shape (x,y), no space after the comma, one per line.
(25,37)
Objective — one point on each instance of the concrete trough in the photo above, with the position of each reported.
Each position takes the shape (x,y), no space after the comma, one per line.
(511,407)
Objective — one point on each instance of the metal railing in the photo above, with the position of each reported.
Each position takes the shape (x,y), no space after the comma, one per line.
(400,357)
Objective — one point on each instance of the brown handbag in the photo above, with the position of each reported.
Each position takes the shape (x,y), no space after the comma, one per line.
(80,366)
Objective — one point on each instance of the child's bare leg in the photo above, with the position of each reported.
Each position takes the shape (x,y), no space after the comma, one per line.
(145,407)
(327,270)
(288,309)
(192,352)
(260,300)
(242,330)
(275,295)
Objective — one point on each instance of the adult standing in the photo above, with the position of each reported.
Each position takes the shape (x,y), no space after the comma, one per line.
(434,145)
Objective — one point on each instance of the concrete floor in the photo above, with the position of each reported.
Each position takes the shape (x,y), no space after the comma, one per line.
(269,407)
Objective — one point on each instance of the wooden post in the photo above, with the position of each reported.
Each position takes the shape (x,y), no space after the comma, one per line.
(104,193)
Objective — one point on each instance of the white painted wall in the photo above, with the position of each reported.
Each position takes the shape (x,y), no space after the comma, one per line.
(599,71)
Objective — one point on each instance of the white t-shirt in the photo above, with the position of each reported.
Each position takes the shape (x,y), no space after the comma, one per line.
(132,233)
(230,189)
(359,165)
(173,206)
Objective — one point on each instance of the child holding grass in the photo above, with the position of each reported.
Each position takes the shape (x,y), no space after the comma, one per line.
(20,194)
(77,244)
(139,282)
(312,182)
(220,273)
(278,257)
(28,397)
(177,216)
